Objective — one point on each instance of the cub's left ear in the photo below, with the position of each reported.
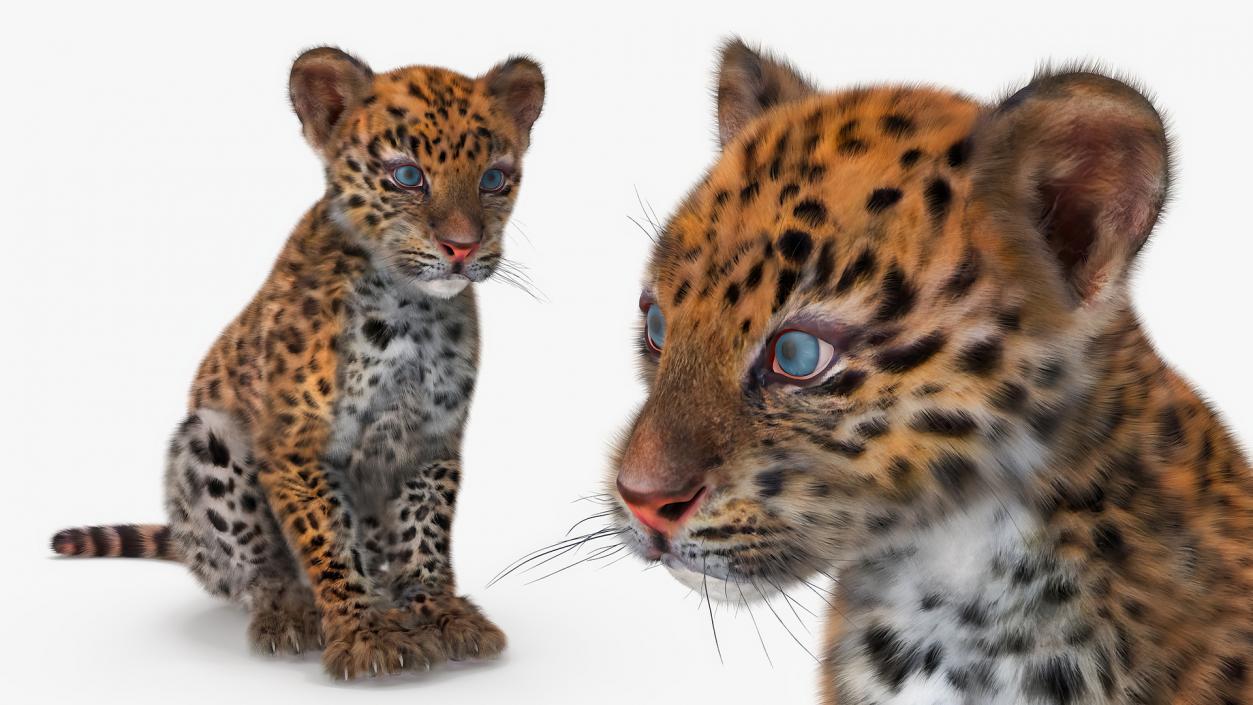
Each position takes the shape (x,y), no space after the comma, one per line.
(1085,160)
(517,85)
(749,83)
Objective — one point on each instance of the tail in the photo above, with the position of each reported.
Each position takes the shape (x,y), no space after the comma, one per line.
(117,541)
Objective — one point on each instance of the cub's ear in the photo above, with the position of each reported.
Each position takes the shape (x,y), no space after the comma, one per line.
(1083,161)
(517,86)
(325,85)
(749,83)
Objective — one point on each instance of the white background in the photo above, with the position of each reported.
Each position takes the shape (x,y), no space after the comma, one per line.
(152,169)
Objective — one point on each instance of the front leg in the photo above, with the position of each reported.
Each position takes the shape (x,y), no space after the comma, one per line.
(418,534)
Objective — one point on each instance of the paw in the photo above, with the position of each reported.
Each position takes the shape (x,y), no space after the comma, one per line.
(465,632)
(285,628)
(380,642)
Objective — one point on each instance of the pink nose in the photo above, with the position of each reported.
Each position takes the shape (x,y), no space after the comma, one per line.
(661,511)
(458,252)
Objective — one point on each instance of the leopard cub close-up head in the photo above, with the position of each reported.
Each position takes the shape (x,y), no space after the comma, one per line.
(423,163)
(878,307)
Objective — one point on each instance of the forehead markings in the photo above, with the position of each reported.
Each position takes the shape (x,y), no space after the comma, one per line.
(807,246)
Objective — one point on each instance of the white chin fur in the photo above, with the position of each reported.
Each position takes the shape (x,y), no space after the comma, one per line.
(719,590)
(443,288)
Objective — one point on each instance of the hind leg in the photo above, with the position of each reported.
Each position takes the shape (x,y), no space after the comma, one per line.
(226,534)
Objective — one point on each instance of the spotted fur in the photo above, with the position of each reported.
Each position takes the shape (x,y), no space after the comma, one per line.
(316,474)
(1019,500)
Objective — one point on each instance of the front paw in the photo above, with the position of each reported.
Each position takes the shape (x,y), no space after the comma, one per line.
(285,627)
(380,642)
(465,632)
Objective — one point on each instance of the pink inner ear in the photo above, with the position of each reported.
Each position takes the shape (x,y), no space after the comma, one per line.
(319,100)
(1100,199)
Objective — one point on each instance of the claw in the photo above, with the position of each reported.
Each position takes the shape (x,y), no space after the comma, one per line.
(401,658)
(273,647)
(375,666)
(345,673)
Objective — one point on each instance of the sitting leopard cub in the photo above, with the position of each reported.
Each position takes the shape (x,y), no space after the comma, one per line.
(888,337)
(315,475)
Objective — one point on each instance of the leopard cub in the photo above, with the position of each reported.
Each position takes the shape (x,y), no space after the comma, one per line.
(315,475)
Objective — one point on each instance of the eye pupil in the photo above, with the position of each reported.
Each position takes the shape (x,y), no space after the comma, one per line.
(797,353)
(655,327)
(492,180)
(408,176)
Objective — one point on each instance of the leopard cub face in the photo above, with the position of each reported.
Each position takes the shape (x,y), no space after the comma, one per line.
(423,164)
(878,307)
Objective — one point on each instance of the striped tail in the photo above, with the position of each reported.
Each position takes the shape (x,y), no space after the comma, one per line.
(117,541)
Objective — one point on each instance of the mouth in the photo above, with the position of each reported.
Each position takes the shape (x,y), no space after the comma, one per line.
(444,287)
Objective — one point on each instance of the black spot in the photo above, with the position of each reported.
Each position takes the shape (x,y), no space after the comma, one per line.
(841,384)
(218,452)
(872,428)
(911,157)
(216,487)
(377,332)
(1170,433)
(892,658)
(964,277)
(861,268)
(749,192)
(933,659)
(1009,396)
(938,196)
(681,293)
(1059,590)
(976,676)
(953,423)
(810,212)
(897,125)
(906,357)
(1109,544)
(954,472)
(216,519)
(826,263)
(787,280)
(1058,680)
(770,483)
(788,192)
(795,246)
(980,358)
(1049,373)
(754,277)
(958,153)
(732,294)
(897,297)
(973,614)
(882,199)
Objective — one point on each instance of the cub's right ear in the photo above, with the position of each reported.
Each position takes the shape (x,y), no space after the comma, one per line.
(749,83)
(325,85)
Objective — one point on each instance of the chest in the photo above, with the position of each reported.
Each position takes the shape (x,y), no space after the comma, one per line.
(406,366)
(971,610)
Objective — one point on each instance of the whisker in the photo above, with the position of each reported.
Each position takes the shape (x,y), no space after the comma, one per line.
(714,627)
(751,616)
(785,627)
(595,555)
(582,521)
(560,547)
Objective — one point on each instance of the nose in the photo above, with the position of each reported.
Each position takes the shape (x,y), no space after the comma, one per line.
(663,511)
(458,252)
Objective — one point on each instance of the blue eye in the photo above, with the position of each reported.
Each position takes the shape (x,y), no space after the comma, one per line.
(799,355)
(655,328)
(409,176)
(492,181)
